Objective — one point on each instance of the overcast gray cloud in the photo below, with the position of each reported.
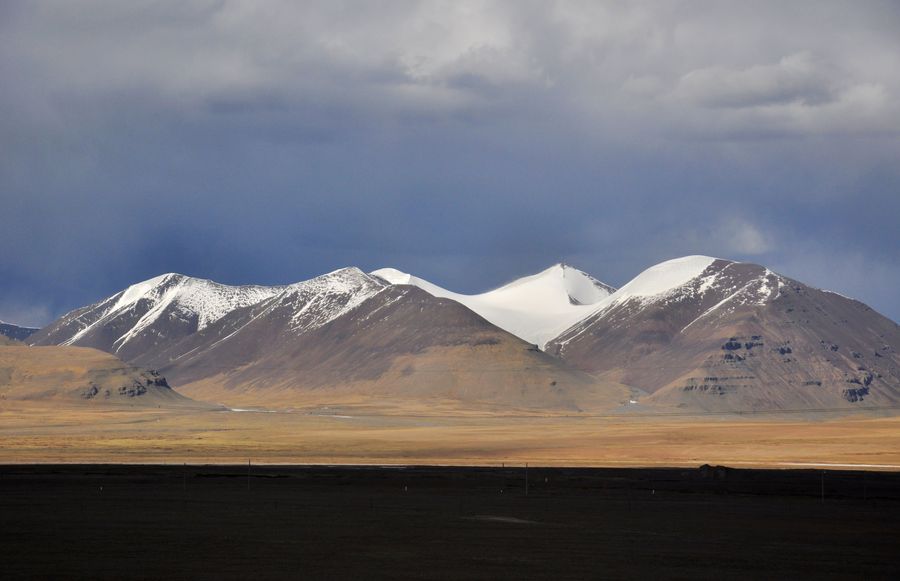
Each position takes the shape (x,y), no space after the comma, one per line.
(470,142)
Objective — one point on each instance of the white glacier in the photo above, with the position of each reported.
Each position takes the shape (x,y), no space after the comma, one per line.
(535,308)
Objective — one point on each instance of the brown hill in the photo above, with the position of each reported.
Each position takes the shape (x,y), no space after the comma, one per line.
(736,336)
(79,374)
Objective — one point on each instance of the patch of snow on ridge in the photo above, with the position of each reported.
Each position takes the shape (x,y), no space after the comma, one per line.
(322,299)
(534,308)
(392,275)
(140,290)
(212,301)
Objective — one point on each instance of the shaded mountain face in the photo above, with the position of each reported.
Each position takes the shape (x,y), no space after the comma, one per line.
(719,335)
(534,308)
(344,336)
(15,332)
(79,374)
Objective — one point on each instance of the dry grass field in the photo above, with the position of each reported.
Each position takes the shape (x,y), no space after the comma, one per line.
(31,432)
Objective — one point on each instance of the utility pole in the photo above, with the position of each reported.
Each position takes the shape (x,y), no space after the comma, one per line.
(823,487)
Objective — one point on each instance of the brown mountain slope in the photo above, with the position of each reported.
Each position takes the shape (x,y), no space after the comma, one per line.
(79,374)
(739,337)
(400,345)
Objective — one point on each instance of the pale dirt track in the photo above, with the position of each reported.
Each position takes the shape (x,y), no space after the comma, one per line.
(30,433)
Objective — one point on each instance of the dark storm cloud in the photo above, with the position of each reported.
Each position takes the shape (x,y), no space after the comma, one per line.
(467,142)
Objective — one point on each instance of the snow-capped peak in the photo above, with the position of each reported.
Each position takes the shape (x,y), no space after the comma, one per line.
(690,278)
(209,300)
(664,277)
(144,289)
(188,297)
(392,275)
(535,308)
(347,278)
(324,298)
(579,286)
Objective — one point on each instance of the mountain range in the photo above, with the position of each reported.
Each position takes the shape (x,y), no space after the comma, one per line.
(15,332)
(343,336)
(695,332)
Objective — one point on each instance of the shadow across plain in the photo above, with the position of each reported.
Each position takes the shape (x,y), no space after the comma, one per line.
(317,522)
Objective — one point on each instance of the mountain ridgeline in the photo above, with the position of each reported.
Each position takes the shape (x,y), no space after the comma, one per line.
(15,332)
(695,333)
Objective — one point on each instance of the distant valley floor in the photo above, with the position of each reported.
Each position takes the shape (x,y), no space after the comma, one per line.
(32,433)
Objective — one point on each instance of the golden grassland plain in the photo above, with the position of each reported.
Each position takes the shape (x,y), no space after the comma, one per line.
(31,432)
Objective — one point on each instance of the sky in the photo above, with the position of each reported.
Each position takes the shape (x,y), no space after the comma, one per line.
(469,143)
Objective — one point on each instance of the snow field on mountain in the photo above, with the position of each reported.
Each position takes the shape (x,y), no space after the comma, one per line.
(535,308)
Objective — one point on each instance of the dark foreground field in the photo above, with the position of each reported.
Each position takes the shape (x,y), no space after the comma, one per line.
(198,522)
